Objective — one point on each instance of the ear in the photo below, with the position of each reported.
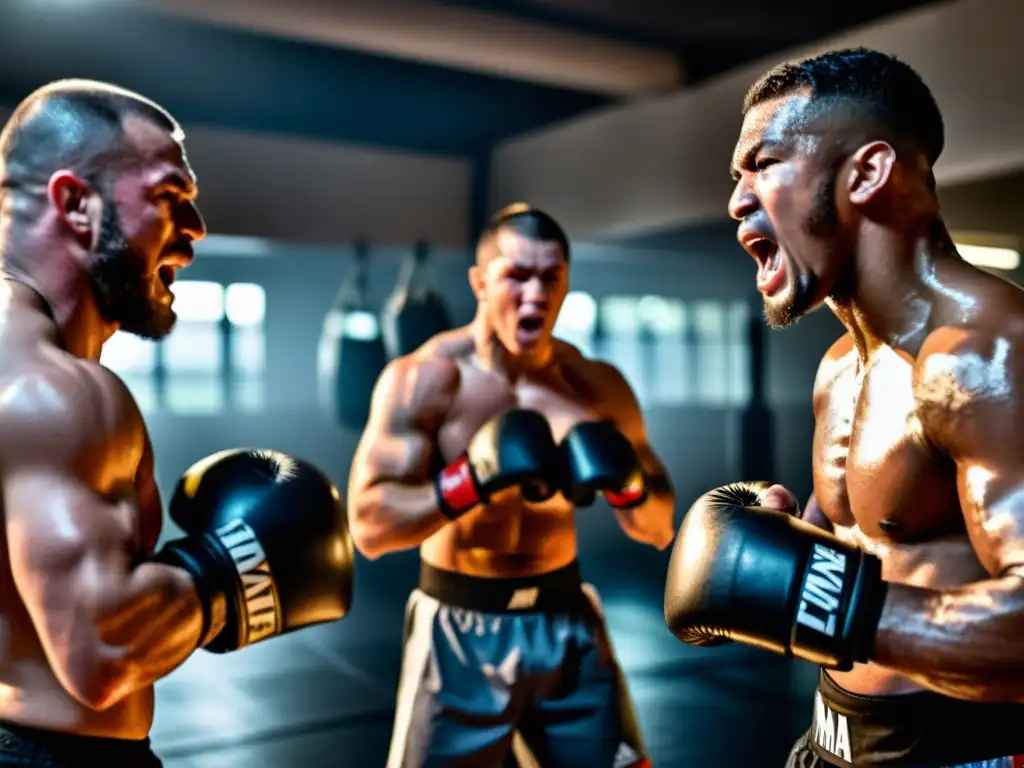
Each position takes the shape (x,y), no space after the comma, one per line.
(871,168)
(476,281)
(75,201)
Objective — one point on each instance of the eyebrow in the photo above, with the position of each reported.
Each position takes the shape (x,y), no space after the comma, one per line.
(178,178)
(526,267)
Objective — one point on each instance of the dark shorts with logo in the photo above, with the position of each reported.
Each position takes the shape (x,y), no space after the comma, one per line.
(511,672)
(914,730)
(50,749)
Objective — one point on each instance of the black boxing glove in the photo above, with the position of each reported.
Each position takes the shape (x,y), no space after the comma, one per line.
(269,535)
(768,579)
(515,449)
(597,457)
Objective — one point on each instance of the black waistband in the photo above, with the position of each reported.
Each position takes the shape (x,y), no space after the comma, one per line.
(555,591)
(914,729)
(54,749)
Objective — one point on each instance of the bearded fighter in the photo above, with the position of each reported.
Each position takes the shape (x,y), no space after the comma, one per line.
(97,214)
(905,579)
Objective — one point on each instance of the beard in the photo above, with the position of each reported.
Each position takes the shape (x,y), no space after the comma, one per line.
(821,221)
(121,285)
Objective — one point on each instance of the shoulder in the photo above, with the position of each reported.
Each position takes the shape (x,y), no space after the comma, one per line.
(958,362)
(420,387)
(605,389)
(64,407)
(434,367)
(837,358)
(838,362)
(967,382)
(589,374)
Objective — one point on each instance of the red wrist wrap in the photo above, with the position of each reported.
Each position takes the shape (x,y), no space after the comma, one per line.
(457,488)
(633,493)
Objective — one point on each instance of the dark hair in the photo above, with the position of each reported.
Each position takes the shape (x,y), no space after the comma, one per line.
(874,85)
(73,124)
(529,222)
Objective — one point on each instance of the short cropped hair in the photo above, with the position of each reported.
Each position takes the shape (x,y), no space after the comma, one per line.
(873,86)
(76,125)
(529,222)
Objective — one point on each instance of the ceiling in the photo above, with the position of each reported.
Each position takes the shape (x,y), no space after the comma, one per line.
(711,37)
(229,73)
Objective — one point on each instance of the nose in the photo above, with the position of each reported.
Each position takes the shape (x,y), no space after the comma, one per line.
(193,226)
(743,201)
(535,291)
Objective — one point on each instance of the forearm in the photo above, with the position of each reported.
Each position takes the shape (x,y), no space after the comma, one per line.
(140,630)
(961,642)
(392,517)
(814,515)
(652,522)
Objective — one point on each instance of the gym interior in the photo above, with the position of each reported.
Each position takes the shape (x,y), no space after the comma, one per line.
(348,155)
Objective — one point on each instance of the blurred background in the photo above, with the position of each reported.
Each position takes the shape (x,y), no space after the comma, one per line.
(348,154)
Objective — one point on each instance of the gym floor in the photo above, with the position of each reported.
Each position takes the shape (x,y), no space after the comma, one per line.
(325,696)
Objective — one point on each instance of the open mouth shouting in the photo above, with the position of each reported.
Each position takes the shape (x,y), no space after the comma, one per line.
(530,327)
(771,267)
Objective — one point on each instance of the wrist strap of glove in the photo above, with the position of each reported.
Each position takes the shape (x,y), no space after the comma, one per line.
(870,591)
(457,489)
(194,555)
(632,494)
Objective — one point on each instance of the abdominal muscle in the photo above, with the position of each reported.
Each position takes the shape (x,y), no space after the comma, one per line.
(32,696)
(942,563)
(507,538)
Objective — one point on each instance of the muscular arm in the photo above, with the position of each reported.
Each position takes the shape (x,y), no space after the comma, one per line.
(392,500)
(966,642)
(108,624)
(653,521)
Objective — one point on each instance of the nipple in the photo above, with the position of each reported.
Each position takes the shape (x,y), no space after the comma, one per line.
(889,526)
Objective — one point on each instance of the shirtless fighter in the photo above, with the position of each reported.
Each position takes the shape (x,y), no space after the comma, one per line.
(480,446)
(905,580)
(97,212)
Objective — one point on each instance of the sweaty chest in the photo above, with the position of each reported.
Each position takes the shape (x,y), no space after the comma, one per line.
(873,465)
(483,396)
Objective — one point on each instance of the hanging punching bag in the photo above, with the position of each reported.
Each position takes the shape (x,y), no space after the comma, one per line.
(757,421)
(416,310)
(351,354)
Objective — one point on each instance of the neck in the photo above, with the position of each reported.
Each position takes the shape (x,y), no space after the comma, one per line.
(61,289)
(892,290)
(495,356)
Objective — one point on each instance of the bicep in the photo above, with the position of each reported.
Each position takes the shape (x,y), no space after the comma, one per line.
(69,547)
(993,508)
(967,388)
(618,402)
(391,455)
(625,411)
(397,444)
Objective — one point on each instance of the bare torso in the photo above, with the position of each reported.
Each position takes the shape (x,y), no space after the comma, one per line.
(510,537)
(30,693)
(885,487)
